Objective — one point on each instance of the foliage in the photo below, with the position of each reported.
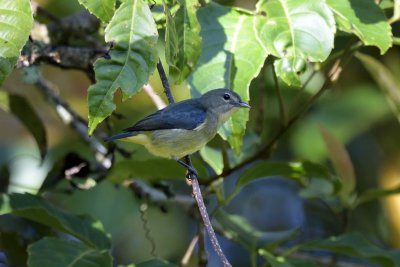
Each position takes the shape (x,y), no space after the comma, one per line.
(115,205)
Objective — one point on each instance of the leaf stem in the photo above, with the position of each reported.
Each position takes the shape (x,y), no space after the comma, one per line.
(282,111)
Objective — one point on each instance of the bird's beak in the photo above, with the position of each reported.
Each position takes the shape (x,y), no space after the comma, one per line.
(243,104)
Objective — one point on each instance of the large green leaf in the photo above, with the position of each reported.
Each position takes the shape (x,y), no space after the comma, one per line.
(365,19)
(36,209)
(295,31)
(183,51)
(23,110)
(50,252)
(355,245)
(231,57)
(386,80)
(103,9)
(133,59)
(15,25)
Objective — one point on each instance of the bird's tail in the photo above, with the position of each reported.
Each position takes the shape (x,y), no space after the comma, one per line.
(119,136)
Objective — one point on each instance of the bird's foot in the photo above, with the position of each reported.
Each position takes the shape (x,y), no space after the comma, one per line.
(191,172)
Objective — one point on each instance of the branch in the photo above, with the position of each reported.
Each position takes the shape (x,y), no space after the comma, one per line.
(194,182)
(71,118)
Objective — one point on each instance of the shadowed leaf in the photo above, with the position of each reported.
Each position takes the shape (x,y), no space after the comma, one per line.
(364,19)
(355,245)
(23,110)
(49,252)
(385,79)
(341,162)
(36,209)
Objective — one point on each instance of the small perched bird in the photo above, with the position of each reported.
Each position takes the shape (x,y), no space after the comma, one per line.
(185,127)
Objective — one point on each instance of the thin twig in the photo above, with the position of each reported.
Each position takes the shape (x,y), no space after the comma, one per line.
(157,100)
(165,83)
(189,252)
(282,111)
(195,184)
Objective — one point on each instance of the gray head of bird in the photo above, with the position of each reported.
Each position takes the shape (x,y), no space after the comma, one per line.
(222,100)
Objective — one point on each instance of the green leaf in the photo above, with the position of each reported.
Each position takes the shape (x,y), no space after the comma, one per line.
(50,252)
(155,263)
(237,227)
(295,32)
(5,204)
(298,171)
(231,57)
(103,9)
(15,25)
(272,260)
(365,19)
(355,245)
(183,41)
(373,194)
(23,110)
(396,12)
(341,162)
(213,157)
(133,59)
(385,79)
(36,209)
(151,170)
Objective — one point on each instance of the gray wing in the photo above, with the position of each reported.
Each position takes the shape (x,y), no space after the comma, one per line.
(187,115)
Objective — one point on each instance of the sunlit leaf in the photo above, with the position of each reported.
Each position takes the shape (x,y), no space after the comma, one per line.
(231,57)
(103,9)
(341,162)
(295,31)
(183,41)
(36,209)
(22,109)
(373,194)
(213,157)
(15,25)
(49,252)
(133,59)
(355,245)
(364,19)
(385,79)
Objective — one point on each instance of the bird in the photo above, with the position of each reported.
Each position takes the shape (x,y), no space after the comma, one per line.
(184,127)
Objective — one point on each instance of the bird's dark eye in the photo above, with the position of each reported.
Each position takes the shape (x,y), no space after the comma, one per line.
(227,96)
